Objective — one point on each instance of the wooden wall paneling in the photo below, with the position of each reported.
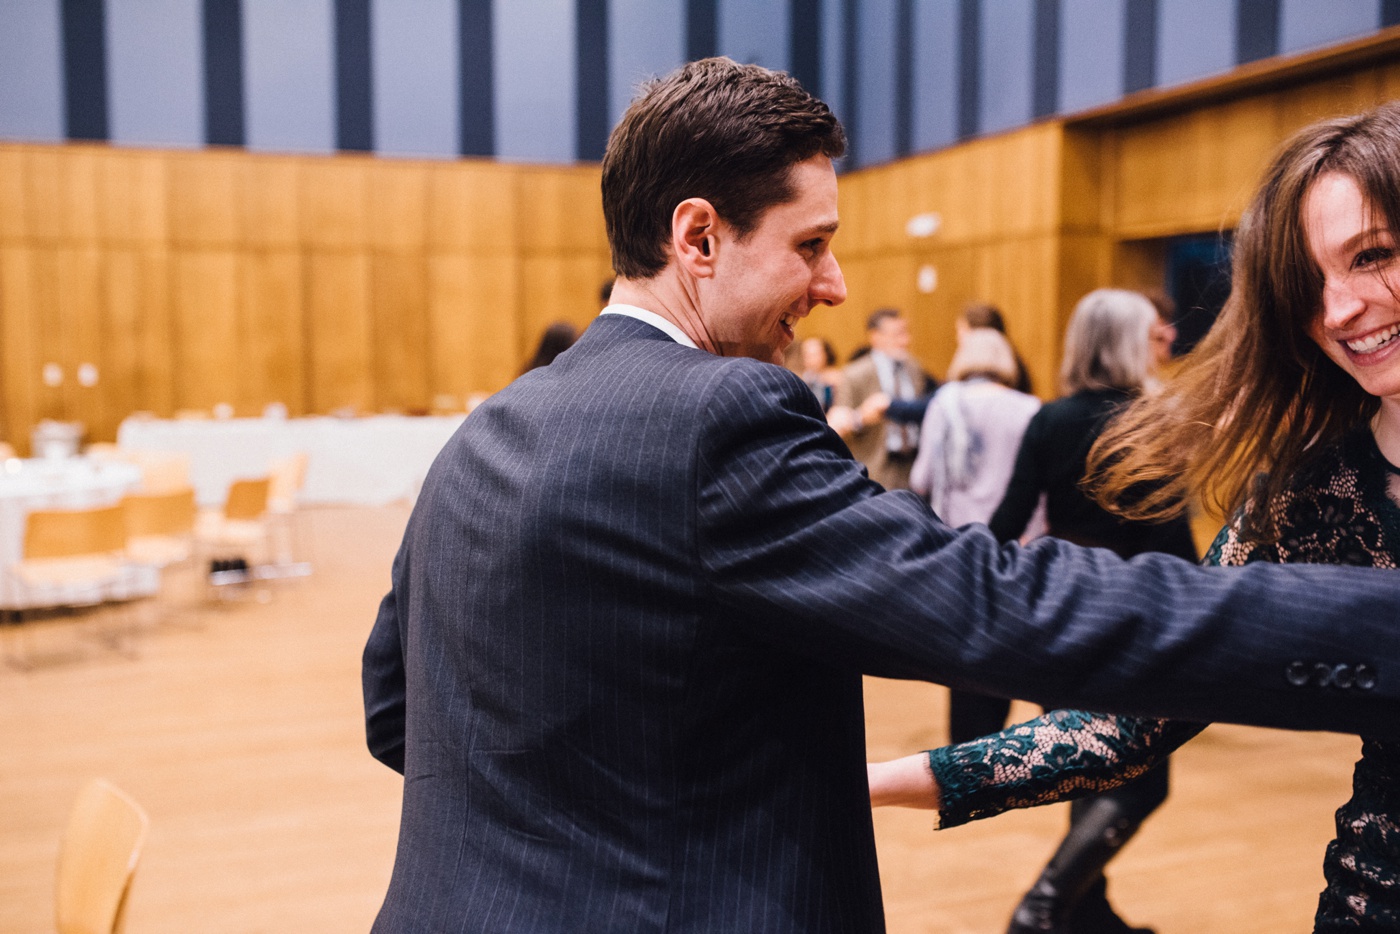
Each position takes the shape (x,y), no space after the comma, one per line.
(855,235)
(76,334)
(1139,264)
(886,206)
(931,314)
(138,365)
(269,205)
(1250,134)
(399,310)
(1084,189)
(930,188)
(474,327)
(272,329)
(558,209)
(20,354)
(1018,175)
(1334,97)
(132,202)
(397,201)
(61,193)
(471,206)
(1388,81)
(339,332)
(332,195)
(13,228)
(558,287)
(1021,277)
(205,301)
(206,191)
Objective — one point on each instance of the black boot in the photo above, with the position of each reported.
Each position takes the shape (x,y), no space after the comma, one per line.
(1070,895)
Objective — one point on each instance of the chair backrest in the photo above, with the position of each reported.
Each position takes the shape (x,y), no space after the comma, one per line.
(169,513)
(66,533)
(97,859)
(288,476)
(247,499)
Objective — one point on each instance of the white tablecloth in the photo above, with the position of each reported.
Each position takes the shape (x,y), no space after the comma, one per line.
(367,461)
(69,483)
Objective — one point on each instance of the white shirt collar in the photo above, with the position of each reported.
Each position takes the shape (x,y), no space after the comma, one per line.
(652,318)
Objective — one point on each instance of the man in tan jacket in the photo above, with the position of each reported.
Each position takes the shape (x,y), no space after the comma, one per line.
(885,447)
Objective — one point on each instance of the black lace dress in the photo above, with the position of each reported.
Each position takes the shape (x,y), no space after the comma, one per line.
(1344,512)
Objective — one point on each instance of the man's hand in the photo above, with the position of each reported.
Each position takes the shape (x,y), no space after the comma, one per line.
(872,410)
(903,783)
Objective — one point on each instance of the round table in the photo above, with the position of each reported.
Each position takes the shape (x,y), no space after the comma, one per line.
(61,483)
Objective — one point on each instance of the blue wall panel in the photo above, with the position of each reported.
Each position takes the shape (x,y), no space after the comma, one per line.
(646,39)
(31,71)
(156,72)
(1091,53)
(535,116)
(414,62)
(1308,24)
(1008,45)
(935,117)
(289,68)
(875,77)
(755,31)
(834,39)
(1195,38)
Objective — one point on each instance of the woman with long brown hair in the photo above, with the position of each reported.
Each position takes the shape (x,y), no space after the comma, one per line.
(1287,419)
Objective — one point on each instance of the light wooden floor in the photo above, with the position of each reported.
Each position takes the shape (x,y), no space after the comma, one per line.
(243,739)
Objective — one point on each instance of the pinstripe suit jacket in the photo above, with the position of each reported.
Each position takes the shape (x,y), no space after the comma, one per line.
(620,662)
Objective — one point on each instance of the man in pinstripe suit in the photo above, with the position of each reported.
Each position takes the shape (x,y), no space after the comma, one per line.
(619,666)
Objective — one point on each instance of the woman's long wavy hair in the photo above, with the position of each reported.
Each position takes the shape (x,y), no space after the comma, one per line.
(1255,403)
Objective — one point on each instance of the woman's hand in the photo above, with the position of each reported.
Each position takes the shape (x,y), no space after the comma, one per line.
(904,783)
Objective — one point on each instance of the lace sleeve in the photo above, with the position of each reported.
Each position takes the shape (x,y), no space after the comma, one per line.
(1062,755)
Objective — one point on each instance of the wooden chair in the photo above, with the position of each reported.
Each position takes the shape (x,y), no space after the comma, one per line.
(72,557)
(159,526)
(287,476)
(237,531)
(97,859)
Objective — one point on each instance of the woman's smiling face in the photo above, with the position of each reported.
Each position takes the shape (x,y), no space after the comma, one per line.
(1358,322)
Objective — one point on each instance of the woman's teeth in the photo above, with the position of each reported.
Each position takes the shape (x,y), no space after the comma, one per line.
(1375,341)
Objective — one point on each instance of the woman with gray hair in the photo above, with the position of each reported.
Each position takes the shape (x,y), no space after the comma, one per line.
(1108,361)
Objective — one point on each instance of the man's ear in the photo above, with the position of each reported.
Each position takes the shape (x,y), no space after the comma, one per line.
(693,227)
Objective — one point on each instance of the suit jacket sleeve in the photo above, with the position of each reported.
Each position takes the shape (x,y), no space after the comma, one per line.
(383,680)
(808,553)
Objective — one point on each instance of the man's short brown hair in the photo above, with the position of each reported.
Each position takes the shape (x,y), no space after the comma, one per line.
(712,129)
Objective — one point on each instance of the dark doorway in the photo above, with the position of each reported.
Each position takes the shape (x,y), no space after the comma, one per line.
(1198,280)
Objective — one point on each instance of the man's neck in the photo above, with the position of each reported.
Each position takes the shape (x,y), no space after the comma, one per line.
(666,295)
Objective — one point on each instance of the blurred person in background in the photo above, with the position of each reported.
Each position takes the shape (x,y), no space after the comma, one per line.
(819,370)
(556,339)
(985,315)
(886,448)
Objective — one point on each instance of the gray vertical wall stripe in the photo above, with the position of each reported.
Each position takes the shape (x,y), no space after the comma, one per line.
(1304,24)
(31,72)
(1091,53)
(591,52)
(1140,46)
(155,76)
(1004,72)
(223,72)
(701,29)
(935,73)
(904,77)
(834,42)
(875,85)
(354,85)
(413,63)
(1045,71)
(1195,39)
(969,66)
(546,79)
(850,80)
(754,31)
(476,71)
(289,71)
(646,38)
(84,69)
(536,117)
(805,43)
(1256,34)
